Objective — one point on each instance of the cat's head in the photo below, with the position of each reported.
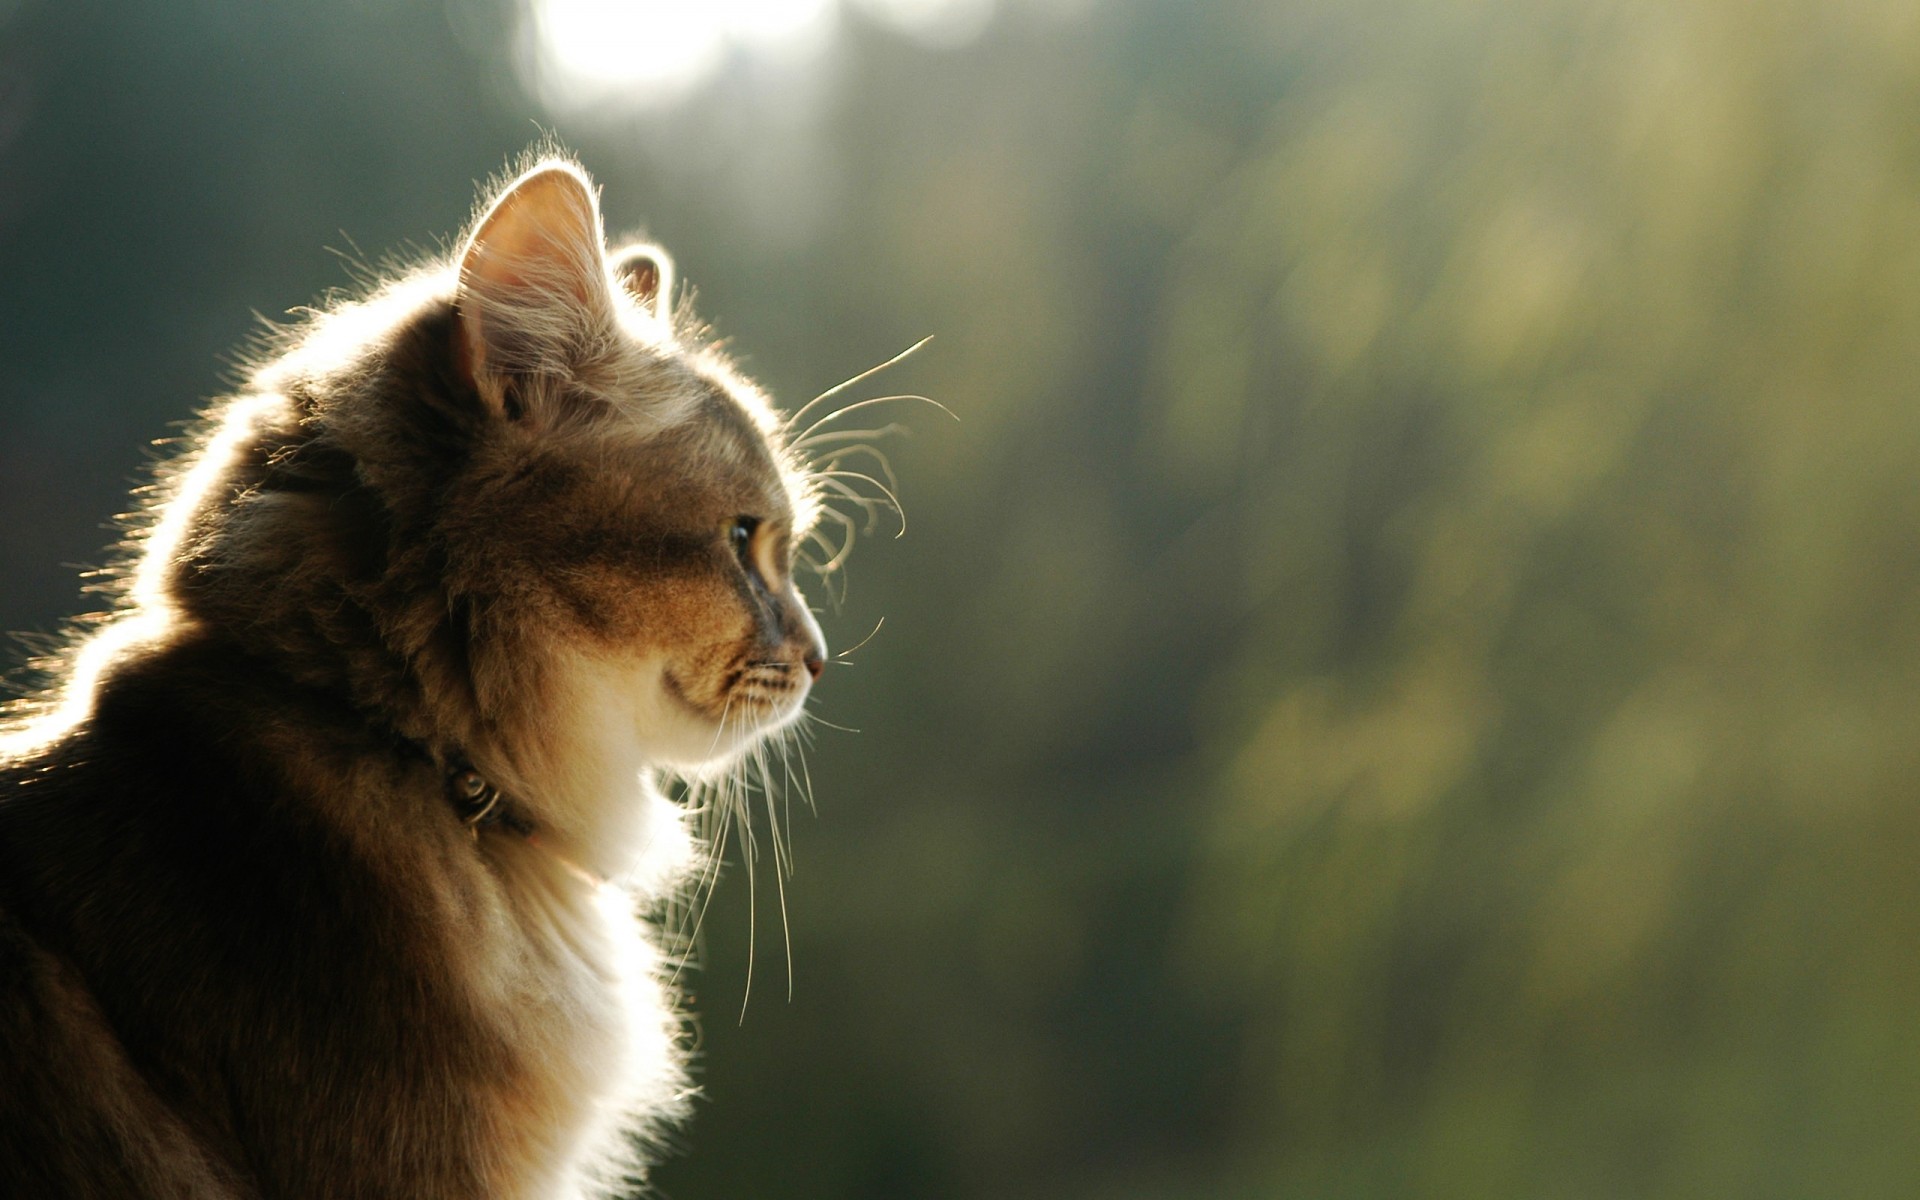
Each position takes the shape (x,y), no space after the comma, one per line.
(518,506)
(649,480)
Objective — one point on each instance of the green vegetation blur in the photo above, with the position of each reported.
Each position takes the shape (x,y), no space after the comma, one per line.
(1404,681)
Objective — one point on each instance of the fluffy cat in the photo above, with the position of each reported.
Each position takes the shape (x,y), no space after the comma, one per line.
(321,870)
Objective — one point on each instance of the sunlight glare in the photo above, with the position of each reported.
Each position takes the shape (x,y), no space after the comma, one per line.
(642,52)
(779,25)
(945,24)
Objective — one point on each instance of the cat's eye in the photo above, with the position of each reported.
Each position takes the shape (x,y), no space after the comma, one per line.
(740,535)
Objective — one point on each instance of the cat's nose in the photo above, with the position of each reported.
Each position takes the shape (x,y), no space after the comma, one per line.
(808,635)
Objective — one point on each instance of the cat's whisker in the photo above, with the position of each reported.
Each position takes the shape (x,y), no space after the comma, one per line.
(887,499)
(846,547)
(786,747)
(886,466)
(786,923)
(825,570)
(721,815)
(828,465)
(774,834)
(782,854)
(751,764)
(720,729)
(801,736)
(708,882)
(868,504)
(830,477)
(782,849)
(857,405)
(717,828)
(753,916)
(816,537)
(807,560)
(850,435)
(892,499)
(862,377)
(863,641)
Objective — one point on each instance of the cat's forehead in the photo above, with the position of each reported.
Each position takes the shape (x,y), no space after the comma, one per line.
(744,399)
(738,429)
(728,433)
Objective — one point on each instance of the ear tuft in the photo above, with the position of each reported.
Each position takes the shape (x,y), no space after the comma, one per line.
(533,294)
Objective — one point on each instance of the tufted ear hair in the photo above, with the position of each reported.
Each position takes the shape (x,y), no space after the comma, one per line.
(534,296)
(647,274)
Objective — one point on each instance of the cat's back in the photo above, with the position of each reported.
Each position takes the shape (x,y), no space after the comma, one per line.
(77,1118)
(81,1114)
(195,959)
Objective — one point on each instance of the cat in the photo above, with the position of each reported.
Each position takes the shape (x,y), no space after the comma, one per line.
(323,870)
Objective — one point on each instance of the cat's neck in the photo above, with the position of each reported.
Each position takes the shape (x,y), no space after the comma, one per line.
(587,793)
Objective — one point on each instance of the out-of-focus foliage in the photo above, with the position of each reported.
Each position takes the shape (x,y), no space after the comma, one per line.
(1565,834)
(1403,681)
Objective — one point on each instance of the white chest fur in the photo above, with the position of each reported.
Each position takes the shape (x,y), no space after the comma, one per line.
(597,1033)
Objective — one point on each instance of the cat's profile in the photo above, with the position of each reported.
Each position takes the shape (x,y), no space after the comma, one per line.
(321,865)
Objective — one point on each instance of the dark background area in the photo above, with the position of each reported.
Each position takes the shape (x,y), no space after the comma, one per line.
(1402,681)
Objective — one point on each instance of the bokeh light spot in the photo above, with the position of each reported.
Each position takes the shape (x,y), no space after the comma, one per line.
(942,23)
(642,53)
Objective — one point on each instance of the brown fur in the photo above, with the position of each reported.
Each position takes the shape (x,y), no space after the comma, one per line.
(482,521)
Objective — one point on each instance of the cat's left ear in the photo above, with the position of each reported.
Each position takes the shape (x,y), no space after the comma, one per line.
(647,274)
(534,295)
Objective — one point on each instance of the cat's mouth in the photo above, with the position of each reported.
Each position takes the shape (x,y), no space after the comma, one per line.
(750,698)
(769,683)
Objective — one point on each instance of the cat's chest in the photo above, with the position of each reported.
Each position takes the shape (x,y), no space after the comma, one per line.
(595,1032)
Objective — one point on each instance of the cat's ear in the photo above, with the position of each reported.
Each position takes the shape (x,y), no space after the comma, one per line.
(647,274)
(534,296)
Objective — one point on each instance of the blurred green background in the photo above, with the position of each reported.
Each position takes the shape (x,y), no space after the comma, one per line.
(1403,681)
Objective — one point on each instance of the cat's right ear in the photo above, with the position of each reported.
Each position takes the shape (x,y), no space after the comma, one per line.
(534,296)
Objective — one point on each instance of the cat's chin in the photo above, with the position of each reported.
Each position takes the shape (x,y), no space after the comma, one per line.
(697,745)
(639,700)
